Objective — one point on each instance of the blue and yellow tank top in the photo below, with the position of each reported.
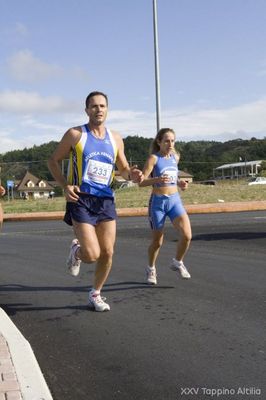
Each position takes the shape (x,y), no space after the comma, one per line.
(91,163)
(165,165)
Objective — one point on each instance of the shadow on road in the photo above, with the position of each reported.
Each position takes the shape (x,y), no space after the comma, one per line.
(13,308)
(230,236)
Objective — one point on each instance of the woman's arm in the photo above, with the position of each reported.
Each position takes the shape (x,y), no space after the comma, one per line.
(181,184)
(148,167)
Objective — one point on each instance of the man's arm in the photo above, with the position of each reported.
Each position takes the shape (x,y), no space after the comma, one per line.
(70,138)
(127,172)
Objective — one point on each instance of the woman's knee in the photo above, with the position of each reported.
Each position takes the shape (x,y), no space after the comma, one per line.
(185,228)
(157,243)
(187,236)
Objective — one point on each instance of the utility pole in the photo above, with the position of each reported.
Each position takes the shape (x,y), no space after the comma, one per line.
(157,69)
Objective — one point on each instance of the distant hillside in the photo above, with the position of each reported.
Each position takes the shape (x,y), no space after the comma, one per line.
(199,158)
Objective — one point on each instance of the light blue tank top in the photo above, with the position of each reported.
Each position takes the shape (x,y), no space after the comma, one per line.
(91,164)
(168,166)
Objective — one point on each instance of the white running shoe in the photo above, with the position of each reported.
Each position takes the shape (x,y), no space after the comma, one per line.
(97,302)
(151,276)
(179,266)
(73,263)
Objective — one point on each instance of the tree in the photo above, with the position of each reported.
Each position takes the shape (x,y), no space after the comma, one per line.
(263,169)
(199,158)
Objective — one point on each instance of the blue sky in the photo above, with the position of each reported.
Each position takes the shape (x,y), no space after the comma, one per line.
(212,56)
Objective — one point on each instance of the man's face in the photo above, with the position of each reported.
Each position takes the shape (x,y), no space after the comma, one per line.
(97,109)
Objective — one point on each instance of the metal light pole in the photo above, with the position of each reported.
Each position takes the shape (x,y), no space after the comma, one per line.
(157,77)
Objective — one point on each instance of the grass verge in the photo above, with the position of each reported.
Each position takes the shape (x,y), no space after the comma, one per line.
(135,197)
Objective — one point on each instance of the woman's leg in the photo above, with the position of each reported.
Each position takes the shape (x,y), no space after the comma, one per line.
(182,224)
(154,248)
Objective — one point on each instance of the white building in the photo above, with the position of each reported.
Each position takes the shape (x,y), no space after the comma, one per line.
(238,170)
(31,187)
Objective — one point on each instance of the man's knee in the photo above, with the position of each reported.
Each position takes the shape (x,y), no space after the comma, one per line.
(89,255)
(107,253)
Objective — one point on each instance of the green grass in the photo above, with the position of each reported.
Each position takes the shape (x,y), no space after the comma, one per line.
(139,197)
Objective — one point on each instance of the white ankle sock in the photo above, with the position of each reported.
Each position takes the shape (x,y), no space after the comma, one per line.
(94,292)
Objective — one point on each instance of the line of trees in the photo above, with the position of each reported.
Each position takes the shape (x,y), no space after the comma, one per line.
(199,158)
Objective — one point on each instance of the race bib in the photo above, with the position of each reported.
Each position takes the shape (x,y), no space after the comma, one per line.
(172,174)
(98,172)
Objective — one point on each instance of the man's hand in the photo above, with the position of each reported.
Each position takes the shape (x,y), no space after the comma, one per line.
(71,193)
(2,191)
(136,174)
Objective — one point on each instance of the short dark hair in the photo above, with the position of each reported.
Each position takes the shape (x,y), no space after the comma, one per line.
(95,93)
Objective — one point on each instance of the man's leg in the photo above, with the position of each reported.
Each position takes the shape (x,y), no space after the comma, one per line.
(96,244)
(84,248)
(89,250)
(106,233)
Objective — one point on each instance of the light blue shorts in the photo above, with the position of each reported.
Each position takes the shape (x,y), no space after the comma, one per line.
(162,206)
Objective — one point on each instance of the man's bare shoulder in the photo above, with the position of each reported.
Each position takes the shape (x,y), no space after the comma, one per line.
(116,134)
(74,131)
(73,135)
(117,137)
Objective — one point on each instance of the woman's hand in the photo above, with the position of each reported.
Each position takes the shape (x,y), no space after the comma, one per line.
(164,179)
(183,185)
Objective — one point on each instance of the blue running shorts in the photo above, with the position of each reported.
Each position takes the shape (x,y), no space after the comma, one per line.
(90,209)
(162,206)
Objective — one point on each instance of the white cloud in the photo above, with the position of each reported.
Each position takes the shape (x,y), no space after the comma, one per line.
(9,141)
(246,120)
(33,119)
(21,102)
(23,66)
(130,123)
(208,124)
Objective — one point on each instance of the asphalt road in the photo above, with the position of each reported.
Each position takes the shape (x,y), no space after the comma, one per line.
(197,339)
